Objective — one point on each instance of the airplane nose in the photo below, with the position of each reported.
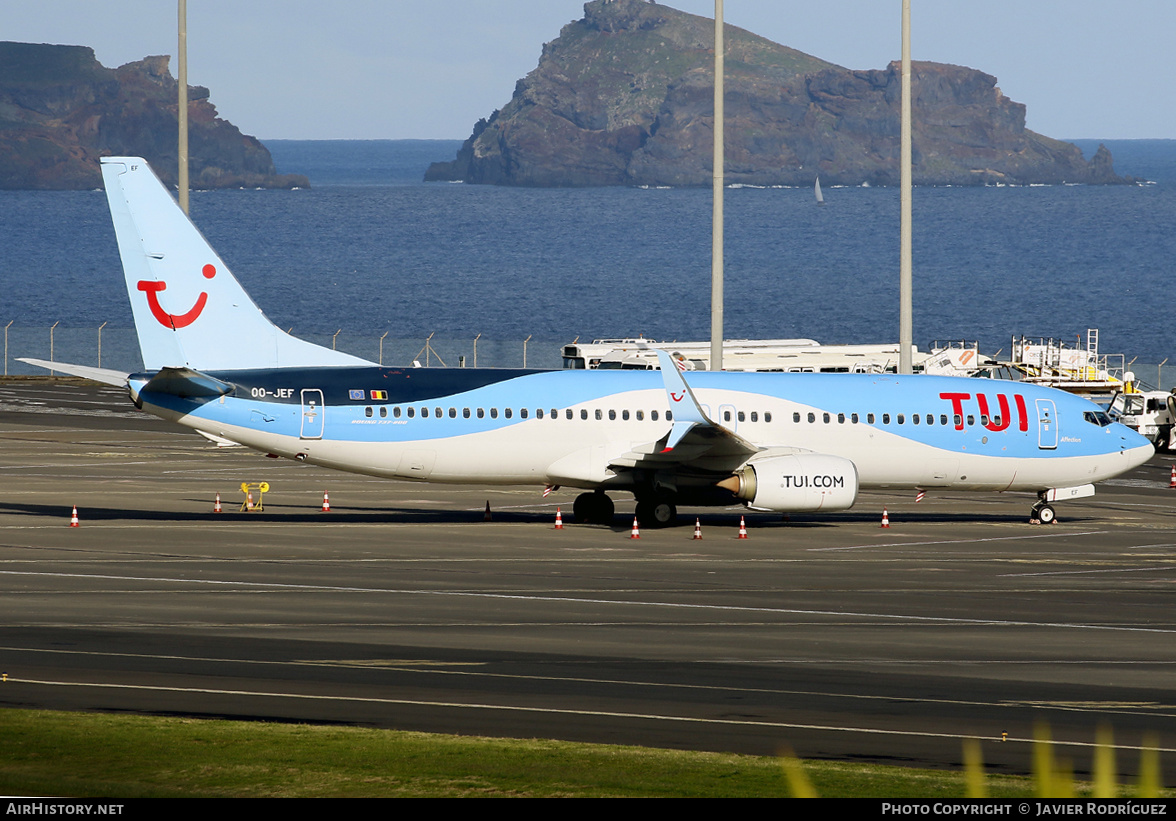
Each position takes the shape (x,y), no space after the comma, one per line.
(1137,448)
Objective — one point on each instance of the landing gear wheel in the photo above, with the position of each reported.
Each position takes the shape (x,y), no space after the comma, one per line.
(1042,514)
(604,510)
(659,512)
(593,508)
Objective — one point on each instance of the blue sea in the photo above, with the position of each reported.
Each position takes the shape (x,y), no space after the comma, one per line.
(370,250)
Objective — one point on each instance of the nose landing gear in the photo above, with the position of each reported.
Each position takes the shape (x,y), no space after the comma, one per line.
(1043,514)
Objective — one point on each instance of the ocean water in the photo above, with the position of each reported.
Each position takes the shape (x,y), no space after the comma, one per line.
(370,250)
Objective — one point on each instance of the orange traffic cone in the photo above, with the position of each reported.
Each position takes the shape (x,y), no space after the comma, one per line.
(885,518)
(73,520)
(742,528)
(326,503)
(636,534)
(249,500)
(216,506)
(558,520)
(697,530)
(1172,482)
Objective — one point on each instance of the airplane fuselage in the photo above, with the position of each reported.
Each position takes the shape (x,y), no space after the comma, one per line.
(568,427)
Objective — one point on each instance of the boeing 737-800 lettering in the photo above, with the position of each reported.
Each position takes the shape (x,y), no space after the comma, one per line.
(775,441)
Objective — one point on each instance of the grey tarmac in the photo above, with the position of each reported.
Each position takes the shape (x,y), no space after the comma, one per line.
(402,608)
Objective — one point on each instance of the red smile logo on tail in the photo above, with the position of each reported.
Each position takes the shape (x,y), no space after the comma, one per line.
(175,321)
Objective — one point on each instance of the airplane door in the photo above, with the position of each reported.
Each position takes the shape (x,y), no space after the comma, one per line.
(312,414)
(1047,425)
(728,417)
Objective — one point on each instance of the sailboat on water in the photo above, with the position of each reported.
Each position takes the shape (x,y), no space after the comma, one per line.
(817,191)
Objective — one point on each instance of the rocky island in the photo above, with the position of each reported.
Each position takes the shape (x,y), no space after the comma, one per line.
(60,110)
(624,96)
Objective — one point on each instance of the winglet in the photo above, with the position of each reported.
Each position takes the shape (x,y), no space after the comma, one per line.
(682,401)
(687,411)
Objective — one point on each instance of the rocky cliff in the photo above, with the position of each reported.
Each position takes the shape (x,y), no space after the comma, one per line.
(625,97)
(60,110)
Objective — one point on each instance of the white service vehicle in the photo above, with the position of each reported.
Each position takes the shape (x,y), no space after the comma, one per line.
(1151,413)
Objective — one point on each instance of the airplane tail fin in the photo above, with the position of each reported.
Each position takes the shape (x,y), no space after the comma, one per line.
(189,309)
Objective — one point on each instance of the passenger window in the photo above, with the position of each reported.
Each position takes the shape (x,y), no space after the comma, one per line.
(584,413)
(465,412)
(599,414)
(411,412)
(625,415)
(869,418)
(853,417)
(383,412)
(841,418)
(767,416)
(901,419)
(481,413)
(367,411)
(453,413)
(726,416)
(507,413)
(943,419)
(996,421)
(396,412)
(438,412)
(740,416)
(886,419)
(915,418)
(669,416)
(825,417)
(653,415)
(812,417)
(795,417)
(424,413)
(984,419)
(754,416)
(641,416)
(612,415)
(958,420)
(971,420)
(494,413)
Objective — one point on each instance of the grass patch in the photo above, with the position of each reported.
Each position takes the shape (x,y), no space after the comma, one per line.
(127,756)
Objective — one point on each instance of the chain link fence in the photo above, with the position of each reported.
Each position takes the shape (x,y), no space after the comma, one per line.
(118,349)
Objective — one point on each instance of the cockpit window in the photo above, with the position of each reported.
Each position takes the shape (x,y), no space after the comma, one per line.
(1097,418)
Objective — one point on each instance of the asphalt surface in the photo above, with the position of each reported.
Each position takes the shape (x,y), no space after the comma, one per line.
(402,608)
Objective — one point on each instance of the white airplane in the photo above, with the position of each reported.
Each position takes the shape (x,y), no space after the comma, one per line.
(775,441)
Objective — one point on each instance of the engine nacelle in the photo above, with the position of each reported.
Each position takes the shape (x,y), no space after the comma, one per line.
(796,483)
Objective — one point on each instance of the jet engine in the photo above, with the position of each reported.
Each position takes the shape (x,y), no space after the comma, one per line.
(796,483)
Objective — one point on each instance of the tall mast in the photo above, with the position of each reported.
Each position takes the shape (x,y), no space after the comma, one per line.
(716,357)
(905,323)
(182,70)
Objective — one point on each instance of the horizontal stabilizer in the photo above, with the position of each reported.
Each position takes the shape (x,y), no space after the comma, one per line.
(103,375)
(186,383)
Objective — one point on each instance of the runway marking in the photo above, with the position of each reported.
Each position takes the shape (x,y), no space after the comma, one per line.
(777,725)
(435,667)
(581,601)
(955,541)
(1169,569)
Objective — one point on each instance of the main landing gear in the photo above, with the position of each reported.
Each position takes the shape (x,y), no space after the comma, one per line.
(657,511)
(593,508)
